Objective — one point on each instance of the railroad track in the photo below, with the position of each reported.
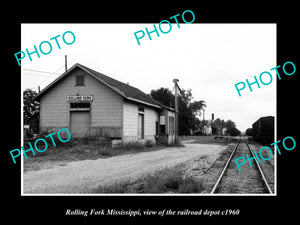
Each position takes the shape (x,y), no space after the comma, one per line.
(249,180)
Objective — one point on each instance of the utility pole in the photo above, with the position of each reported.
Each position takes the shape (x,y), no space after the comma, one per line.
(176,109)
(66,66)
(204,124)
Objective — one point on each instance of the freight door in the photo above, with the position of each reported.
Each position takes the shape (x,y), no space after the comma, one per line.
(79,122)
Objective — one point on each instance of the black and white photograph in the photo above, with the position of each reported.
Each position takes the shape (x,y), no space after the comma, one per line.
(162,117)
(169,117)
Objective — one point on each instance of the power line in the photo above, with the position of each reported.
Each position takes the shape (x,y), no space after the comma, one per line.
(40,71)
(38,75)
(51,74)
(45,80)
(60,68)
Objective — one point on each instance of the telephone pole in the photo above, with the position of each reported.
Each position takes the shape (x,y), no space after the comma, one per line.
(66,66)
(176,109)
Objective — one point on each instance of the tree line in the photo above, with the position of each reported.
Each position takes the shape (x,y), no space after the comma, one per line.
(190,112)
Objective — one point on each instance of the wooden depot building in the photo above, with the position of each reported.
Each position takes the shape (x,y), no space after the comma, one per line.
(89,103)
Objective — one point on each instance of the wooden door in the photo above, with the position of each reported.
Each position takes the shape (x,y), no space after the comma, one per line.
(79,122)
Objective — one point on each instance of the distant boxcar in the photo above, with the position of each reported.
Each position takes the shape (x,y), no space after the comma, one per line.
(263,130)
(249,132)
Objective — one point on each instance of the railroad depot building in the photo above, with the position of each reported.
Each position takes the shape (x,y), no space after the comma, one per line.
(89,103)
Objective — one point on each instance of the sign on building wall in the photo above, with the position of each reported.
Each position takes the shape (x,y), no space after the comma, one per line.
(79,98)
(162,120)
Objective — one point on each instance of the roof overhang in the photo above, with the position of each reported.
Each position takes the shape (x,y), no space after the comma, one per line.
(145,103)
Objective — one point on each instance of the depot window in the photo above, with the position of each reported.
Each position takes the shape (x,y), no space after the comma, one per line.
(162,124)
(80,105)
(80,80)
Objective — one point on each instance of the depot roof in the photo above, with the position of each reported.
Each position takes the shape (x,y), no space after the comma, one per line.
(125,90)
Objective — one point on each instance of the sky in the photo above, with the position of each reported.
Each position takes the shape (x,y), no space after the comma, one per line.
(209,59)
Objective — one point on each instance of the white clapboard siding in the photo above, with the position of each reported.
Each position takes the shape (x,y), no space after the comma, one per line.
(130,121)
(151,116)
(106,108)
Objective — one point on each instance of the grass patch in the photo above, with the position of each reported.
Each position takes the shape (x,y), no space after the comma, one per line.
(121,187)
(131,145)
(169,180)
(87,148)
(210,139)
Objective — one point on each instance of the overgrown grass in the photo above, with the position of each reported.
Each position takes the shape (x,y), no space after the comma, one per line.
(169,180)
(131,145)
(87,148)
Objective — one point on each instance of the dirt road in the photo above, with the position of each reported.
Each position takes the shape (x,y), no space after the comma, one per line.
(81,176)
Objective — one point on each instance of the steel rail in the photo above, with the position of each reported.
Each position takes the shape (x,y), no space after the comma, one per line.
(260,170)
(225,168)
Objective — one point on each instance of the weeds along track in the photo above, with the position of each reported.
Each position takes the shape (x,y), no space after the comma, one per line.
(250,180)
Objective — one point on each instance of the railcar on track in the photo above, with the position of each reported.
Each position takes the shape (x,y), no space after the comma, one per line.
(263,130)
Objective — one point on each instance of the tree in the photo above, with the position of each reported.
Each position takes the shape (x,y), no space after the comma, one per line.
(164,96)
(231,128)
(30,110)
(218,123)
(233,131)
(197,107)
(188,109)
(229,124)
(218,126)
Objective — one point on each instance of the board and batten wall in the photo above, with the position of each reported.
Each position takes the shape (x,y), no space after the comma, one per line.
(106,107)
(130,122)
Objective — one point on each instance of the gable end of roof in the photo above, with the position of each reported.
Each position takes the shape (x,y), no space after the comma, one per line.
(125,90)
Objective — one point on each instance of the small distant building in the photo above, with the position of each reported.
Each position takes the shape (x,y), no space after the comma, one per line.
(207,130)
(90,103)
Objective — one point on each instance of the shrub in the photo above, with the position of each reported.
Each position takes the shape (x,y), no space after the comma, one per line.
(152,184)
(191,185)
(131,145)
(28,133)
(97,140)
(149,143)
(118,187)
(167,180)
(105,152)
(173,180)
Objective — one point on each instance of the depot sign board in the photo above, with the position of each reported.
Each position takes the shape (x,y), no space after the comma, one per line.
(79,98)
